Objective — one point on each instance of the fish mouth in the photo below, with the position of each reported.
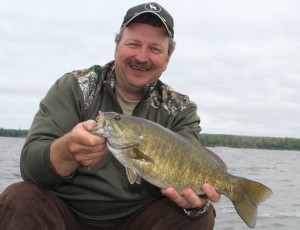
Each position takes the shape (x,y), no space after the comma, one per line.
(104,124)
(101,120)
(118,135)
(100,129)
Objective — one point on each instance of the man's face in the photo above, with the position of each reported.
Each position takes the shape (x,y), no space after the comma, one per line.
(141,56)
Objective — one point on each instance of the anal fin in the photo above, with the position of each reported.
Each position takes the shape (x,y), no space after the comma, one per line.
(133,177)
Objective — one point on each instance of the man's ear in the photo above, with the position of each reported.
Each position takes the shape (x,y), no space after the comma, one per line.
(167,62)
(116,49)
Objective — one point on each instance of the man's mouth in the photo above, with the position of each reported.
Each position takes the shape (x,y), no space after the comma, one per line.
(140,66)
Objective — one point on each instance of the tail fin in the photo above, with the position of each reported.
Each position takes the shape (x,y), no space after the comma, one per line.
(250,196)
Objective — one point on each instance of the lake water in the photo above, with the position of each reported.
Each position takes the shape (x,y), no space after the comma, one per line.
(279,170)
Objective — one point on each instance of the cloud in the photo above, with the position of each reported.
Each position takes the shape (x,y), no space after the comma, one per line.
(238,60)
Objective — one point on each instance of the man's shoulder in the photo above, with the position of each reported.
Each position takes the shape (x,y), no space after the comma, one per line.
(90,80)
(167,98)
(93,72)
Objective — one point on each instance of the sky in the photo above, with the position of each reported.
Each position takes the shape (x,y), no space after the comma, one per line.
(237,60)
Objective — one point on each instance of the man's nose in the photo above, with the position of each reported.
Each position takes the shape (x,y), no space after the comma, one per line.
(142,55)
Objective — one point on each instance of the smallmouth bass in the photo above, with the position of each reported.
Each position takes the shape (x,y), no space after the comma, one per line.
(165,159)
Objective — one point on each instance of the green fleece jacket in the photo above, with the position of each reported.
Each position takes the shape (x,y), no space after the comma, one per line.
(99,196)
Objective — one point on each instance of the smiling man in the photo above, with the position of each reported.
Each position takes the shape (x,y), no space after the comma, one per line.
(72,181)
(140,58)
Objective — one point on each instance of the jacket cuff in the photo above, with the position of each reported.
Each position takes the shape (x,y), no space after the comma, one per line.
(42,171)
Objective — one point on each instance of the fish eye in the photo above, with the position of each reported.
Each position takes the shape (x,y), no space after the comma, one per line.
(117,118)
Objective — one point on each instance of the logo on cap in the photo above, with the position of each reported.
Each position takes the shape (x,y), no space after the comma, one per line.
(153,7)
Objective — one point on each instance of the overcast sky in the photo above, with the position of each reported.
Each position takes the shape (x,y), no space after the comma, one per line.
(238,60)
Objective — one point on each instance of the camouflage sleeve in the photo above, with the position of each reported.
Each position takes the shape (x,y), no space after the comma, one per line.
(187,123)
(182,111)
(59,112)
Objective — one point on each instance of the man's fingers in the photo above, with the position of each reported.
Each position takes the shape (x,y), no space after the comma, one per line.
(81,141)
(190,199)
(86,158)
(83,137)
(177,198)
(193,198)
(88,125)
(211,193)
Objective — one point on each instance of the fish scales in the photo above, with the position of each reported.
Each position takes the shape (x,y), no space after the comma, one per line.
(173,158)
(166,159)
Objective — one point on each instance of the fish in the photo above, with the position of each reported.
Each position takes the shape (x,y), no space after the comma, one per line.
(165,159)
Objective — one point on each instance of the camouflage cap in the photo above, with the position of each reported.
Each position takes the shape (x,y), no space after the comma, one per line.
(154,8)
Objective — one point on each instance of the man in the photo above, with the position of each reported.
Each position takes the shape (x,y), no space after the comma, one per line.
(72,181)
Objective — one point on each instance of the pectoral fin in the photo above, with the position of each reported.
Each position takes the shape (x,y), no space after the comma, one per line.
(136,154)
(133,177)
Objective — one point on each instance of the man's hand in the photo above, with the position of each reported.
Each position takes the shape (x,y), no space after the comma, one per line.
(78,147)
(190,199)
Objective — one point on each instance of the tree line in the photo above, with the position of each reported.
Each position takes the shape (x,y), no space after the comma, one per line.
(233,141)
(13,132)
(213,140)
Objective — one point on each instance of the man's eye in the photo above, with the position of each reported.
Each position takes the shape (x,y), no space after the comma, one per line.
(155,50)
(133,44)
